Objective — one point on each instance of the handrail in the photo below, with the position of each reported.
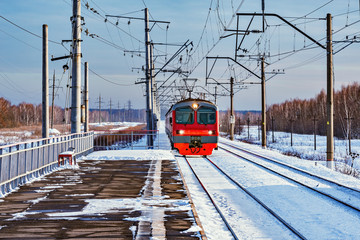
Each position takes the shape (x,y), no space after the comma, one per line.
(44,139)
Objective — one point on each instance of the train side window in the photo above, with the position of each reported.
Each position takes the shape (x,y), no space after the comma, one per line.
(184,115)
(170,120)
(206,115)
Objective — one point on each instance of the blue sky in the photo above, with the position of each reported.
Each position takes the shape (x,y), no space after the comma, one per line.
(20,58)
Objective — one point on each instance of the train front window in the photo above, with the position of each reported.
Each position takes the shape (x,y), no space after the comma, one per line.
(206,115)
(184,115)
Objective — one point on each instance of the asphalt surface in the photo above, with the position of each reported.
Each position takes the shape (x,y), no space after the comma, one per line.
(102,200)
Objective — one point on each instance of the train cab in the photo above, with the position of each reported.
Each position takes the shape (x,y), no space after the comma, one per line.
(193,127)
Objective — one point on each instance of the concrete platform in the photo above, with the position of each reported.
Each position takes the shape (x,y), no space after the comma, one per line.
(103,199)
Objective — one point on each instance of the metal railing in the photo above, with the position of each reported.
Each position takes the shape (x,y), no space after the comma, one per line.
(132,140)
(22,161)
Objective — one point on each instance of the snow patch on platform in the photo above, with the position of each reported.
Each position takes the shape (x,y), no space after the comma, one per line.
(130,155)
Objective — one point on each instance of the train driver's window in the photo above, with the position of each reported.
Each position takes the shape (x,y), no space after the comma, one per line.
(206,115)
(184,115)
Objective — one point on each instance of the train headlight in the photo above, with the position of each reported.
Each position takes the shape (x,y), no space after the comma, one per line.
(180,132)
(211,132)
(195,105)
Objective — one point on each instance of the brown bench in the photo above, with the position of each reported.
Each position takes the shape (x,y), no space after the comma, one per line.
(67,154)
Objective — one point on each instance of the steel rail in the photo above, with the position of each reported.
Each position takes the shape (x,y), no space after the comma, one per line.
(293,180)
(291,167)
(212,201)
(286,224)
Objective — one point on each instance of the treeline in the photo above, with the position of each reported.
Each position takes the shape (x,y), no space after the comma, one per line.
(118,115)
(241,118)
(305,116)
(24,114)
(27,114)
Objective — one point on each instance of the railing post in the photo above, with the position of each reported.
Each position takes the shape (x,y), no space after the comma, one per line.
(158,136)
(132,140)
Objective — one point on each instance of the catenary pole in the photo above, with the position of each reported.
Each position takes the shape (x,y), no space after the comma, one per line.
(232,118)
(148,79)
(45,83)
(329,97)
(52,101)
(86,96)
(330,84)
(263,104)
(76,68)
(215,95)
(152,91)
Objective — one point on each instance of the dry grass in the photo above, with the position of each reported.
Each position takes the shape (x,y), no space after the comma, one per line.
(24,133)
(109,140)
(105,128)
(346,169)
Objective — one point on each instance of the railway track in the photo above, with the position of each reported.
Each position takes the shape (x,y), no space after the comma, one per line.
(292,232)
(337,192)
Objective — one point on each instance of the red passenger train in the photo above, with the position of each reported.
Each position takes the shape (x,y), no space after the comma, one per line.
(193,127)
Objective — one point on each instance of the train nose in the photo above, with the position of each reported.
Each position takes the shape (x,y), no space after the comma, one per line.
(195,142)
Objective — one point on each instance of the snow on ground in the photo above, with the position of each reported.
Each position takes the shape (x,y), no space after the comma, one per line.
(211,221)
(316,167)
(312,215)
(33,178)
(149,154)
(124,125)
(209,217)
(54,132)
(7,137)
(303,145)
(100,206)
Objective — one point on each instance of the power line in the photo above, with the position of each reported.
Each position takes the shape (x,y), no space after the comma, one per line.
(34,34)
(107,80)
(94,11)
(29,45)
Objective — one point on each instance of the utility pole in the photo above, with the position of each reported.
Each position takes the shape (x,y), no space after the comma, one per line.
(232,118)
(110,104)
(86,97)
(348,120)
(118,111)
(129,111)
(248,124)
(272,128)
(292,129)
(258,125)
(99,107)
(45,83)
(76,67)
(53,86)
(330,96)
(263,104)
(314,120)
(124,112)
